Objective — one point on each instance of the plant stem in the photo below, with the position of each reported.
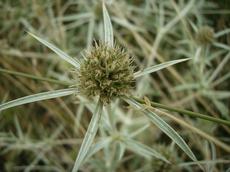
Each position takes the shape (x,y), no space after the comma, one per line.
(185,112)
(34,77)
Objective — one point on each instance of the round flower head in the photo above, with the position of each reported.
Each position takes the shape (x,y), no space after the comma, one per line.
(205,35)
(106,72)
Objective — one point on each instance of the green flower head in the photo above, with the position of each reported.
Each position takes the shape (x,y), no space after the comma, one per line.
(107,72)
(204,36)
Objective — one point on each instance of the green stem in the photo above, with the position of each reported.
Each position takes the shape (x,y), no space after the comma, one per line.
(186,112)
(34,77)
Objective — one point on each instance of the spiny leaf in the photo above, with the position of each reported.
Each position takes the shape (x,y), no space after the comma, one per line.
(108,29)
(75,17)
(143,150)
(223,46)
(105,141)
(89,136)
(160,123)
(223,94)
(59,52)
(155,68)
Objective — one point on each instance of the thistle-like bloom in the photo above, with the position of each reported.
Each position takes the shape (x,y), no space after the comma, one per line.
(107,72)
(204,36)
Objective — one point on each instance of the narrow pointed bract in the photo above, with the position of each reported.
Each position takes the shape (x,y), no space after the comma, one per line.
(38,97)
(60,53)
(144,150)
(108,29)
(159,122)
(89,136)
(158,67)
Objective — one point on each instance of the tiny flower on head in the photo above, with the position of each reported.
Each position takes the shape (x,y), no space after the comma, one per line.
(204,36)
(106,72)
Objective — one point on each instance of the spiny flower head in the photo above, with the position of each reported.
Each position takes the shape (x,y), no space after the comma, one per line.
(106,72)
(205,35)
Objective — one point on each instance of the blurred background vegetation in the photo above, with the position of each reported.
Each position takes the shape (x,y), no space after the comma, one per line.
(46,136)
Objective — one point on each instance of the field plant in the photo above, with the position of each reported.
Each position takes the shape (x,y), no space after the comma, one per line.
(147,91)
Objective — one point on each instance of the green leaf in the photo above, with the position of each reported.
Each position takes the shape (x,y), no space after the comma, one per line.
(187,86)
(138,131)
(108,29)
(126,24)
(59,52)
(205,162)
(222,79)
(18,128)
(216,94)
(89,136)
(220,67)
(120,151)
(105,141)
(160,123)
(224,110)
(142,149)
(75,17)
(221,33)
(220,45)
(155,68)
(37,97)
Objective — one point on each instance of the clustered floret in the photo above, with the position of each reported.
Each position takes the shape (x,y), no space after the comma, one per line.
(204,36)
(106,72)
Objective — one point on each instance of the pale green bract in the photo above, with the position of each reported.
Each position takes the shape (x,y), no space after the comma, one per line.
(104,141)
(159,122)
(155,68)
(143,150)
(60,53)
(74,17)
(220,45)
(108,29)
(38,97)
(89,136)
(217,94)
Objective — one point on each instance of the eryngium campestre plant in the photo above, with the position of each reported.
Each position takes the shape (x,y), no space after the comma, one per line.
(107,72)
